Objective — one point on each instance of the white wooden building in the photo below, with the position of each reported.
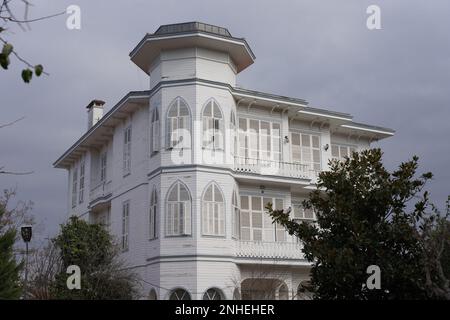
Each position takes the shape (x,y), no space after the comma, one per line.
(180,173)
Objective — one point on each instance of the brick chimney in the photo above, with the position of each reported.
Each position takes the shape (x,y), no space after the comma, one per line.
(95,112)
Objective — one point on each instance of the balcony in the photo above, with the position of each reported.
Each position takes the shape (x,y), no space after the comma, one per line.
(274,168)
(269,250)
(100,192)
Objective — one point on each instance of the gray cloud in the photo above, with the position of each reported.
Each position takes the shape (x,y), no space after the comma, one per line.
(321,51)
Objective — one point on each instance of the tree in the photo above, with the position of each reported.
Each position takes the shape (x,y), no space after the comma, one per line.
(364,217)
(103,275)
(435,240)
(8,15)
(45,263)
(9,269)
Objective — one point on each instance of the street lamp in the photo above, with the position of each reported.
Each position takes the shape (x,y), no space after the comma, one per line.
(26,231)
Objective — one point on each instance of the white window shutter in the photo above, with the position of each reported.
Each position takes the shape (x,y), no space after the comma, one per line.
(155,136)
(187,217)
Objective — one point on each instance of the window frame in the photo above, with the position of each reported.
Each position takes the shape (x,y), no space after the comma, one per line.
(125,238)
(245,140)
(209,218)
(235,215)
(273,228)
(186,119)
(312,164)
(213,127)
(82,180)
(74,186)
(155,132)
(127,134)
(103,166)
(153,211)
(183,214)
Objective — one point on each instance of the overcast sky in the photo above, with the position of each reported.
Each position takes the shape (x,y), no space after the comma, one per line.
(321,51)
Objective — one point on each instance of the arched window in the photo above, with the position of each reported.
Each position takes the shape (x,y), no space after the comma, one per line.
(233,134)
(283,292)
(152,295)
(178,214)
(152,214)
(212,126)
(213,294)
(235,215)
(154,142)
(178,125)
(213,215)
(179,294)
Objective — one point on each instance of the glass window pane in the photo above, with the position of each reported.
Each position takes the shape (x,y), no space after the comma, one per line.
(184,111)
(217,112)
(276,129)
(173,195)
(257,235)
(265,127)
(254,126)
(184,194)
(343,152)
(256,203)
(245,219)
(306,140)
(244,202)
(217,194)
(315,141)
(257,221)
(316,155)
(295,139)
(207,111)
(243,124)
(335,151)
(208,194)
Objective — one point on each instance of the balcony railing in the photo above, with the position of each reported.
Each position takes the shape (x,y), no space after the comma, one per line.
(274,168)
(100,191)
(269,250)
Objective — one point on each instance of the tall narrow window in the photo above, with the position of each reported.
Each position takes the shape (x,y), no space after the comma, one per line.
(103,158)
(235,214)
(125,225)
(233,134)
(155,132)
(81,192)
(212,126)
(127,150)
(305,149)
(178,211)
(178,125)
(74,186)
(152,216)
(213,215)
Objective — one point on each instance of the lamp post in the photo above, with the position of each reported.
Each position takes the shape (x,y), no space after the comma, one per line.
(26,231)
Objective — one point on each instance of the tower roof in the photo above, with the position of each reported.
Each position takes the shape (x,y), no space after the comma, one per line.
(177,28)
(189,35)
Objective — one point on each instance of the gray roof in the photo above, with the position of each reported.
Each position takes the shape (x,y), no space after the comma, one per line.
(190,27)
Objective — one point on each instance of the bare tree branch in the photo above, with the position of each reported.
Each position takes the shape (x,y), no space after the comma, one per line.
(11,123)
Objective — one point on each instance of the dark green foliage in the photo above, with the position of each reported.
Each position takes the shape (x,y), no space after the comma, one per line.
(363,219)
(90,247)
(9,269)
